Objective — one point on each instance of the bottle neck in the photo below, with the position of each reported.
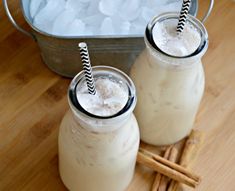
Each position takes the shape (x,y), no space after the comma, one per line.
(100,125)
(156,57)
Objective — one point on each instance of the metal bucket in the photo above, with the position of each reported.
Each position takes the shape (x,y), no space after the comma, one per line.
(61,54)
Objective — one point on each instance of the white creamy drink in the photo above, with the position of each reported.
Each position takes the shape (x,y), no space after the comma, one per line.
(167,39)
(169,81)
(98,151)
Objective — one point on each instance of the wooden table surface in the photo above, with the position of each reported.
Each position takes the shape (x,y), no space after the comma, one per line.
(33,102)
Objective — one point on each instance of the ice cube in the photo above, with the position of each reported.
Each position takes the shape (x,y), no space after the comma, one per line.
(63,21)
(153,3)
(138,26)
(94,20)
(93,8)
(85,1)
(125,27)
(137,29)
(107,27)
(173,1)
(46,16)
(35,6)
(89,31)
(173,6)
(121,27)
(147,14)
(130,10)
(108,7)
(76,5)
(77,28)
(82,10)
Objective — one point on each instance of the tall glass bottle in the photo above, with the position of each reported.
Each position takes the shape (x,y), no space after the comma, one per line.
(169,88)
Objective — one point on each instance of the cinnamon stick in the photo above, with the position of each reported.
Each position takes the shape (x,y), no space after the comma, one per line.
(167,168)
(192,146)
(165,180)
(173,157)
(158,176)
(171,165)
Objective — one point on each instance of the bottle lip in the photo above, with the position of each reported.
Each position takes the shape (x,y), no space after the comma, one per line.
(174,15)
(105,70)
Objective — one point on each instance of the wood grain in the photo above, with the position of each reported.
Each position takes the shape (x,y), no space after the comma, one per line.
(33,102)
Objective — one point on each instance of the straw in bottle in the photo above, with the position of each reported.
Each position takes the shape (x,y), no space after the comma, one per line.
(87,67)
(183,16)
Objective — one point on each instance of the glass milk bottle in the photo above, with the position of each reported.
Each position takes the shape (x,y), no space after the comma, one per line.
(169,87)
(98,142)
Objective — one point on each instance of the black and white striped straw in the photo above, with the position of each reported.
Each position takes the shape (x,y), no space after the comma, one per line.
(87,67)
(183,16)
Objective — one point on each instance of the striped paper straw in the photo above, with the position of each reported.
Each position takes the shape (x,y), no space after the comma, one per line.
(183,16)
(87,68)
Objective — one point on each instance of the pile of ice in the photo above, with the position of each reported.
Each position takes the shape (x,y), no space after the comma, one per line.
(97,17)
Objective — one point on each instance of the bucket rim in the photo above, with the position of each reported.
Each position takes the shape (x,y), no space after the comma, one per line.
(193,11)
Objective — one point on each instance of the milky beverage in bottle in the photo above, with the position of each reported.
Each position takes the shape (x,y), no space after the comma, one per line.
(169,79)
(99,136)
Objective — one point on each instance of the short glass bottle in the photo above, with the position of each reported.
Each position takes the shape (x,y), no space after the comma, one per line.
(98,152)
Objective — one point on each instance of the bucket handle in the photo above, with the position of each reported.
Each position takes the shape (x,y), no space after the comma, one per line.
(208,11)
(8,13)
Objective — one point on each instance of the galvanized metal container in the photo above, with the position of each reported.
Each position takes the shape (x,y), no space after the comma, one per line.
(61,54)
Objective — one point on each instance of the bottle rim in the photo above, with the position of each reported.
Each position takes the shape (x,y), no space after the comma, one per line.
(199,52)
(99,70)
